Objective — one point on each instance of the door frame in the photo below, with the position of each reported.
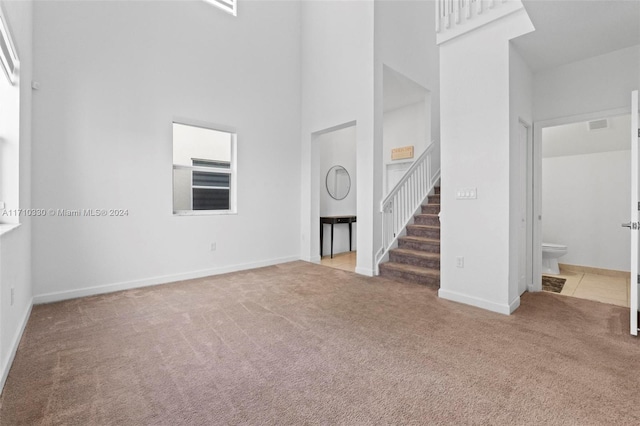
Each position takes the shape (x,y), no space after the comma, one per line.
(633,279)
(536,285)
(529,159)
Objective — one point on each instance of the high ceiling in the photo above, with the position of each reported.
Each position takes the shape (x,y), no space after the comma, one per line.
(572,30)
(399,91)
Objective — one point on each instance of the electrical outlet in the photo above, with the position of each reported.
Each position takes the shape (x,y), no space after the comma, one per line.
(12,295)
(460,262)
(213,246)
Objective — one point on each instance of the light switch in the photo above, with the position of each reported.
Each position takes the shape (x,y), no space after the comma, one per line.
(467,194)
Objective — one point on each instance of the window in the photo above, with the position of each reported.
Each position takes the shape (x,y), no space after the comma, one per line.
(8,55)
(229,6)
(9,128)
(203,170)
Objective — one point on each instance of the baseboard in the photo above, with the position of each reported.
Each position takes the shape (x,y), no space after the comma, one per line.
(365,271)
(128,285)
(14,347)
(514,305)
(479,303)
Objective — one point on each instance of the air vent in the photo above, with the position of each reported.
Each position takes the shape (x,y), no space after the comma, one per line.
(8,55)
(598,124)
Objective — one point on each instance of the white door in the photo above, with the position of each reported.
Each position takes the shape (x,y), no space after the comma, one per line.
(523,194)
(395,172)
(634,225)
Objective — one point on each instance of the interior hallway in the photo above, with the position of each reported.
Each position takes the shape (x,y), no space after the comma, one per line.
(345,261)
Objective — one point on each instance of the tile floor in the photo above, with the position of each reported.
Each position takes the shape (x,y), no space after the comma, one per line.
(583,285)
(602,288)
(345,261)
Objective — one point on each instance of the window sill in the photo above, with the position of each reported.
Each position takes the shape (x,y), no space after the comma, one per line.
(204,212)
(5,228)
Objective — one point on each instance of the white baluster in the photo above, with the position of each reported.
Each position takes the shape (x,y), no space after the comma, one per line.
(456,10)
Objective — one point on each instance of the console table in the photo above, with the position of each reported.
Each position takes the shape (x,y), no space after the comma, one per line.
(332,220)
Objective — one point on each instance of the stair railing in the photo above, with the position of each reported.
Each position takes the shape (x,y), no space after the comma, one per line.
(402,202)
(451,12)
(456,17)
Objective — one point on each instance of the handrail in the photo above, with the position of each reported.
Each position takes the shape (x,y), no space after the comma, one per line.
(400,205)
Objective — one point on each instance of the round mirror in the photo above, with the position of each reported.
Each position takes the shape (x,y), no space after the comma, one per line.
(338,182)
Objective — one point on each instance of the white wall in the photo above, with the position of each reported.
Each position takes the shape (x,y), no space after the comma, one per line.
(337,88)
(338,148)
(15,246)
(520,109)
(405,126)
(114,76)
(596,84)
(344,48)
(476,132)
(585,198)
(405,41)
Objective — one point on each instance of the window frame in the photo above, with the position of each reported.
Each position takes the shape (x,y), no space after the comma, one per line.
(7,38)
(229,6)
(232,171)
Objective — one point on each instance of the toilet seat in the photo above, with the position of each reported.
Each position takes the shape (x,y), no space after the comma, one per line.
(553,247)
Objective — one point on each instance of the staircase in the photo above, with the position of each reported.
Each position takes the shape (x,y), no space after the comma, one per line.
(417,258)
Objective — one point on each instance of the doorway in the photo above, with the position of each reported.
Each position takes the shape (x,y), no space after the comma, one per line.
(582,189)
(337,182)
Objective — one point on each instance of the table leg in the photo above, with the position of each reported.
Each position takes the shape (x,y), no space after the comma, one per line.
(321,237)
(332,240)
(349,236)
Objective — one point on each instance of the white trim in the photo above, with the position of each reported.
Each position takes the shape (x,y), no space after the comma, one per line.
(128,285)
(5,228)
(365,271)
(229,6)
(5,33)
(14,346)
(203,212)
(203,169)
(479,303)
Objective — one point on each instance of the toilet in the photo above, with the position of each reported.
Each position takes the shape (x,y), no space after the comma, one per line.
(550,255)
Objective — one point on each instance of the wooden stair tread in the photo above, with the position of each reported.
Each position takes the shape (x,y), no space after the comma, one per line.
(402,267)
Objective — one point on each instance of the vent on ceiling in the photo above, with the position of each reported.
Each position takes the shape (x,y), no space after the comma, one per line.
(598,124)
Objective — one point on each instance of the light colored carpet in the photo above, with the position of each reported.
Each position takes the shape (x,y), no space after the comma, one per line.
(303,344)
